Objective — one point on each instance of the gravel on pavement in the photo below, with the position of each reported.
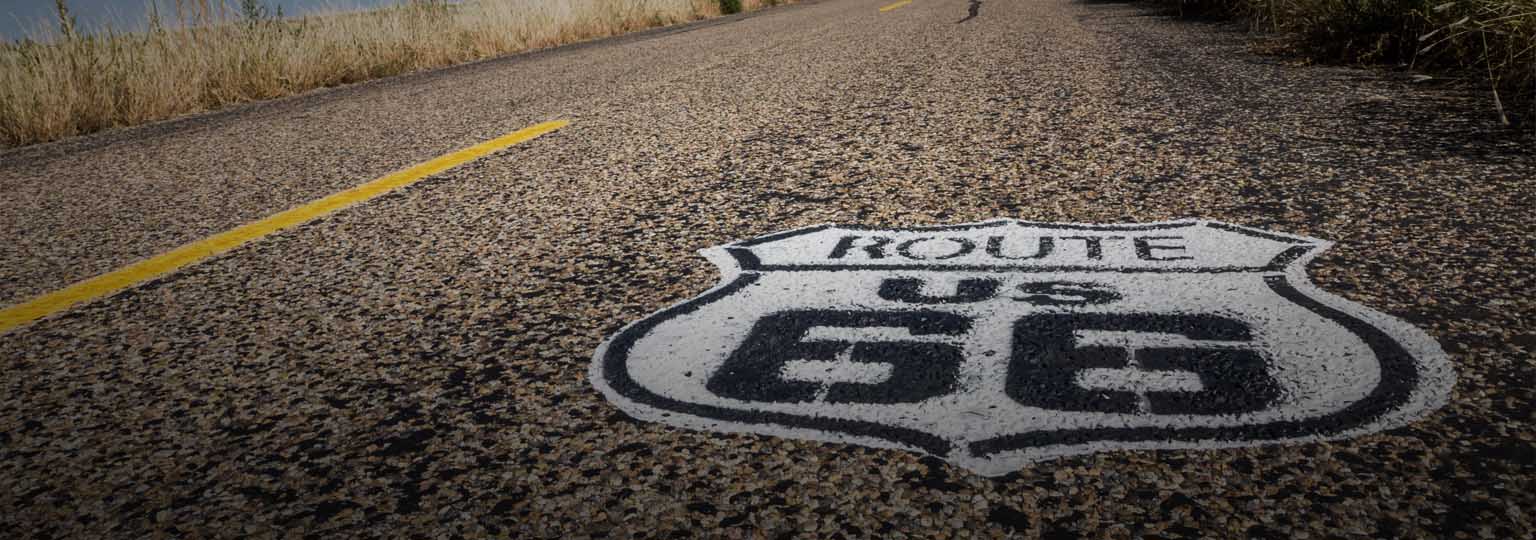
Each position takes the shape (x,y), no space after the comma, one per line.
(416,366)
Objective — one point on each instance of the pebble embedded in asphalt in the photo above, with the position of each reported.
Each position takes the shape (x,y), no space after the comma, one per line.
(416,366)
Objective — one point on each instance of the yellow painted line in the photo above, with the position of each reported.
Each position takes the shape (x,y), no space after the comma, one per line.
(195,252)
(895,5)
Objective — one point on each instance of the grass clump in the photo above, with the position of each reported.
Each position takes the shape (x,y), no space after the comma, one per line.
(1492,40)
(204,56)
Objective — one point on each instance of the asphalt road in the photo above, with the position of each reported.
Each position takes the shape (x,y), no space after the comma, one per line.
(416,366)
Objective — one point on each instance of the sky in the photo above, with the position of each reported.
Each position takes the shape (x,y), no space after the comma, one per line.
(19,18)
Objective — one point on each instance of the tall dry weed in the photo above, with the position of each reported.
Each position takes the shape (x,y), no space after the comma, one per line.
(1496,37)
(1492,40)
(214,55)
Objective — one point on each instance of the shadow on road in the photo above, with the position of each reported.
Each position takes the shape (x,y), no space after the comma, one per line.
(975,9)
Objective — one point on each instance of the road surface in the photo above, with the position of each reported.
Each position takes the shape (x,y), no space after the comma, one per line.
(416,366)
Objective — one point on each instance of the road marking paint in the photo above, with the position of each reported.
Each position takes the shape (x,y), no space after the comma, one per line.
(198,251)
(999,344)
(895,5)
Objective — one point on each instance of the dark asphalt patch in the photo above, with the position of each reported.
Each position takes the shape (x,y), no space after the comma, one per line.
(971,11)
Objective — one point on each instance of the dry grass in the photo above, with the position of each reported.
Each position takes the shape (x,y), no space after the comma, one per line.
(1498,36)
(1492,40)
(213,57)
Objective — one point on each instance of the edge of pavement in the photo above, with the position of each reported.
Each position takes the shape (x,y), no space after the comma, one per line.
(22,155)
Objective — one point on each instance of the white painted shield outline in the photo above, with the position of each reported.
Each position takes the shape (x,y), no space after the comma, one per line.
(1416,376)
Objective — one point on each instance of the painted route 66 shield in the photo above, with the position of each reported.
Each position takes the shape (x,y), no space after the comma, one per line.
(998,344)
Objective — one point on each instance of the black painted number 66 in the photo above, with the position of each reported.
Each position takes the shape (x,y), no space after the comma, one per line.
(1045,365)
